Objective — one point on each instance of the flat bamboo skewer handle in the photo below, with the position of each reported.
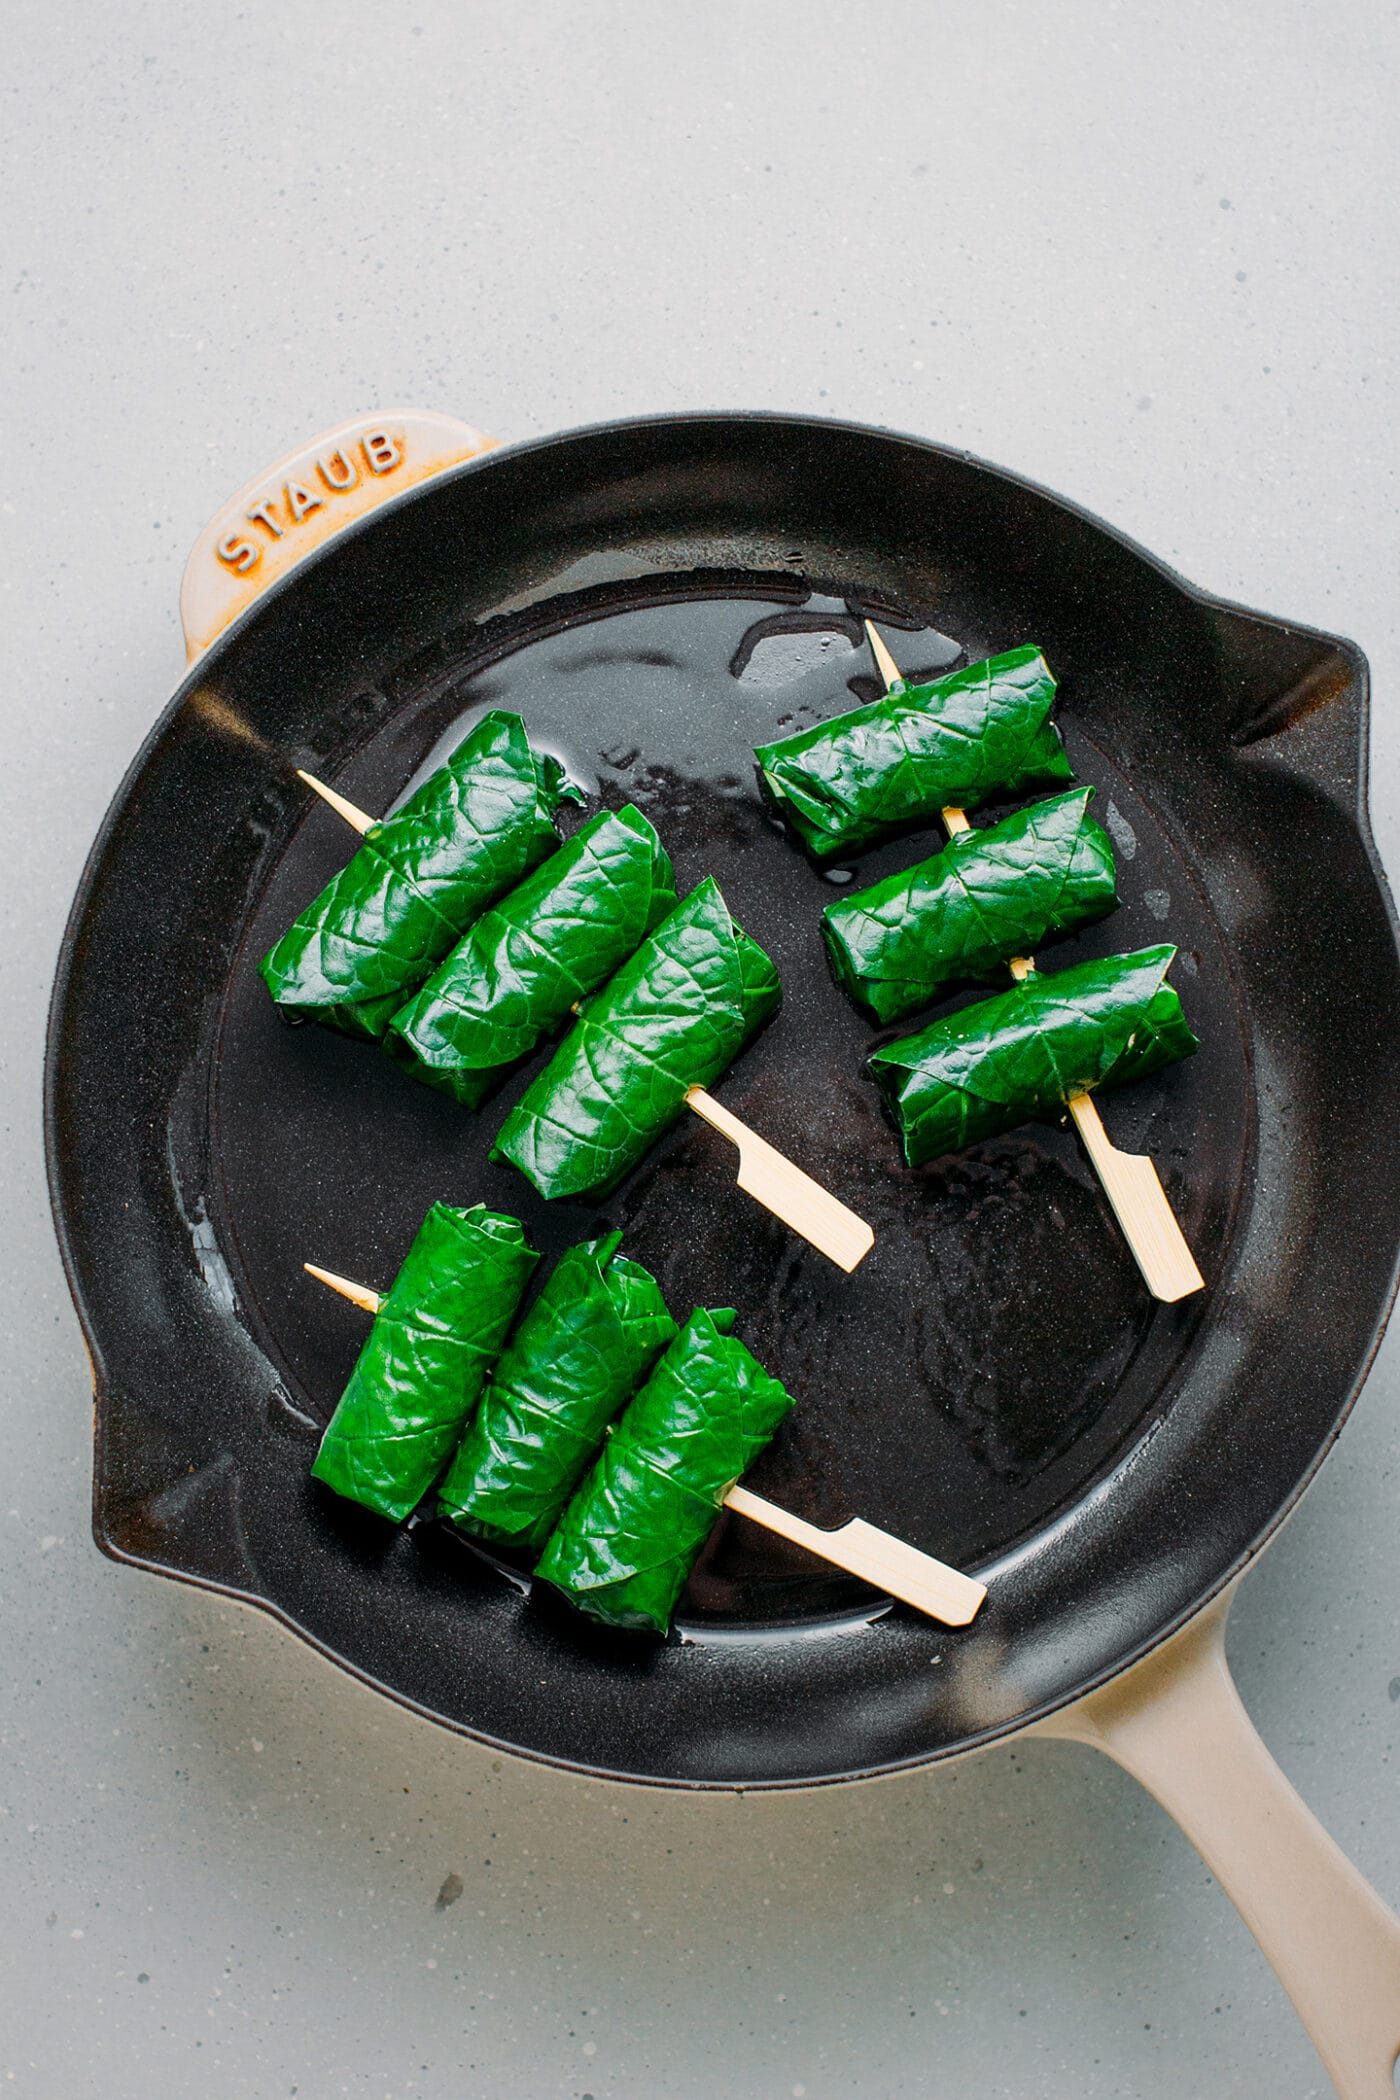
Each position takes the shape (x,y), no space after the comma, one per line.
(1130,1180)
(862,1549)
(772,1180)
(1139,1202)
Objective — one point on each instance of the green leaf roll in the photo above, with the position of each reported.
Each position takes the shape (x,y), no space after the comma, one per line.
(1002,1061)
(420,1373)
(624,1548)
(960,916)
(673,1017)
(979,732)
(529,959)
(573,1363)
(421,877)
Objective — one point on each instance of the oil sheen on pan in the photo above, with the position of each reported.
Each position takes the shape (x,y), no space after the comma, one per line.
(996,1351)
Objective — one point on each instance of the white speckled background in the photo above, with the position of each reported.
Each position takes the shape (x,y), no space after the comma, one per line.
(1147,254)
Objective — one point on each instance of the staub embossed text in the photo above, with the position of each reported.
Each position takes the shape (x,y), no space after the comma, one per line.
(333,473)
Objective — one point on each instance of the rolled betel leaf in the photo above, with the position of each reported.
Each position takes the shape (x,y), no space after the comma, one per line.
(624,1548)
(528,960)
(1023,1054)
(979,732)
(421,877)
(573,1363)
(673,1017)
(960,916)
(420,1374)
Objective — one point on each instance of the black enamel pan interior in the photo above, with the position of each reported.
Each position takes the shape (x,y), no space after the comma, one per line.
(993,1383)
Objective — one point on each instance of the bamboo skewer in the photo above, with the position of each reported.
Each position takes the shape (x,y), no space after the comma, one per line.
(1129,1179)
(861,1549)
(889,670)
(358,1293)
(886,1562)
(1139,1202)
(772,1180)
(357,818)
(764,1173)
(954,821)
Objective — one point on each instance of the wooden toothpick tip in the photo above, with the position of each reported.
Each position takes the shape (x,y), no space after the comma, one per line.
(888,668)
(358,1293)
(359,819)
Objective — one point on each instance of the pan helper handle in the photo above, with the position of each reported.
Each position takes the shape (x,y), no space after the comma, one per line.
(1176,1722)
(306,498)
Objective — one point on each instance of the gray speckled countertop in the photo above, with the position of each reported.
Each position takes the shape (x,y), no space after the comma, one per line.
(1144,254)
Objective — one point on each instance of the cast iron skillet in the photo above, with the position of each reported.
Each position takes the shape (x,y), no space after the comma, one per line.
(656,597)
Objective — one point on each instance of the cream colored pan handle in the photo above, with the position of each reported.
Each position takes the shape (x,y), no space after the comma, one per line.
(1175,1721)
(302,501)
